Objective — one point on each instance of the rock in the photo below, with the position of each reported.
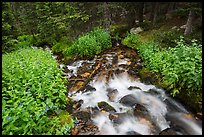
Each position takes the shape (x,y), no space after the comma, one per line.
(128,100)
(175,27)
(112,93)
(74,131)
(140,111)
(136,30)
(132,133)
(117,118)
(78,104)
(168,131)
(152,92)
(89,88)
(106,107)
(133,73)
(119,71)
(133,87)
(183,26)
(83,115)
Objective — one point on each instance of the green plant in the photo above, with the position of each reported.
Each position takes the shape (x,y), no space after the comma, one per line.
(181,66)
(33,94)
(90,44)
(131,40)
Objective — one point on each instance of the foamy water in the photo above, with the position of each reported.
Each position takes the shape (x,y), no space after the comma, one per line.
(154,103)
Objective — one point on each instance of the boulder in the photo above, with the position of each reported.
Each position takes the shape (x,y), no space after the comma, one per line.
(106,107)
(136,30)
(128,100)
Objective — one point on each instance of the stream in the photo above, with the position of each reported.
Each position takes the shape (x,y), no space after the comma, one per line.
(110,98)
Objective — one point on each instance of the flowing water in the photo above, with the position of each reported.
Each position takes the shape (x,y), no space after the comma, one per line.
(119,103)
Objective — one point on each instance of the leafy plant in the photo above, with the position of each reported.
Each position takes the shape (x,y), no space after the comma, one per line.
(131,40)
(33,94)
(90,44)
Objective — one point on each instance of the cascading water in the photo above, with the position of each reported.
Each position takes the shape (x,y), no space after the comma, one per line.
(133,107)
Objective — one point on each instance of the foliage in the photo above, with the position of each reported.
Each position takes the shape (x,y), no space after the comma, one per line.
(8,29)
(131,40)
(33,93)
(180,66)
(61,45)
(90,44)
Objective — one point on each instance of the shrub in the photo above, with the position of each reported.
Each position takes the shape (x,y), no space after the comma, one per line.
(90,44)
(33,94)
(131,40)
(181,66)
(61,45)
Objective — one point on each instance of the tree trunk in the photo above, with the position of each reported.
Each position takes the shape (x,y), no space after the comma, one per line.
(155,13)
(107,16)
(189,23)
(140,12)
(152,11)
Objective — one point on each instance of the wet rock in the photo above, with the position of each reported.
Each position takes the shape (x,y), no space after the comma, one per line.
(89,88)
(115,60)
(128,100)
(183,123)
(152,92)
(133,87)
(78,104)
(83,115)
(88,129)
(168,131)
(117,118)
(133,73)
(140,111)
(112,93)
(119,71)
(132,133)
(74,131)
(106,107)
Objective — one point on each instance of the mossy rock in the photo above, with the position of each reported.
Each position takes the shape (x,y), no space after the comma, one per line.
(105,106)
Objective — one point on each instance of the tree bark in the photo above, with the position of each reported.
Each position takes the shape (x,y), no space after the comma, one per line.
(189,23)
(107,16)
(155,13)
(140,12)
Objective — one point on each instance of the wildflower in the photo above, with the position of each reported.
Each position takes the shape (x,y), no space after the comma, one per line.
(3,110)
(47,108)
(49,77)
(20,105)
(39,62)
(8,118)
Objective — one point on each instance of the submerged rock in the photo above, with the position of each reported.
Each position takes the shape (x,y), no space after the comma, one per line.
(106,107)
(128,100)
(132,133)
(140,111)
(117,118)
(112,93)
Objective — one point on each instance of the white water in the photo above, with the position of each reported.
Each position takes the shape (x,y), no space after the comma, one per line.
(155,105)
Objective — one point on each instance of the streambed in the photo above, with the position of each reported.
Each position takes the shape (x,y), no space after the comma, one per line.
(110,98)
